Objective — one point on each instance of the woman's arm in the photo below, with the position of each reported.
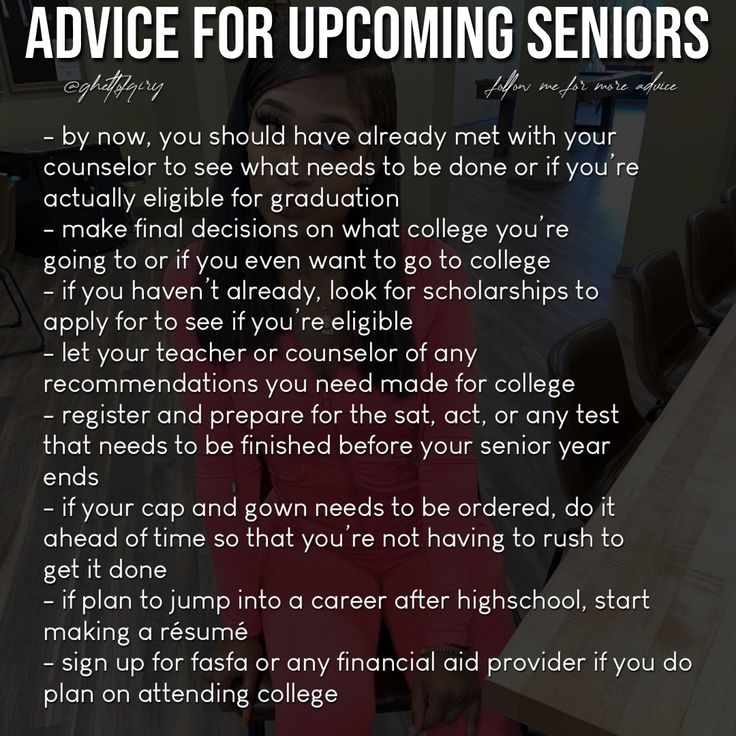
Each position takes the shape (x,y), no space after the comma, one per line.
(218,477)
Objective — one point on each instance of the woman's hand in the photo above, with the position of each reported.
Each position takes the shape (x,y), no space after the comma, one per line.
(249,650)
(442,696)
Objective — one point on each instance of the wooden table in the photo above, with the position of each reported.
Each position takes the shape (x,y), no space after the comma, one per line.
(676,507)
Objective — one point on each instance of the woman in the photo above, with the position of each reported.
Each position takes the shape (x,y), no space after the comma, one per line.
(339,95)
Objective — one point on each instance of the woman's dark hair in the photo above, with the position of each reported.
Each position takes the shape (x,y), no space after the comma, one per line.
(370,84)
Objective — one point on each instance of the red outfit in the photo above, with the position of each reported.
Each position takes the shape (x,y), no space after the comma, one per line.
(441,478)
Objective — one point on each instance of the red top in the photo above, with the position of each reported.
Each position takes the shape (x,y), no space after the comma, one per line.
(297,477)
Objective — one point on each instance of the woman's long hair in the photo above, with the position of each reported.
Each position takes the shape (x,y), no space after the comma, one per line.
(371,85)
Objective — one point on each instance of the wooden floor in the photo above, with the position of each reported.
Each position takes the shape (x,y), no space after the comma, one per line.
(512,338)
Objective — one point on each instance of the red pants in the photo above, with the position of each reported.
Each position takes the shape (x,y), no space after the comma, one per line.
(310,633)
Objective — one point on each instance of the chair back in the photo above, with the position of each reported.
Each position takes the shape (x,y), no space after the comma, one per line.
(591,356)
(663,324)
(711,260)
(7,219)
(729,196)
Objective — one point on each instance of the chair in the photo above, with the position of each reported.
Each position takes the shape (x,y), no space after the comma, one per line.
(666,339)
(7,249)
(392,692)
(591,356)
(711,263)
